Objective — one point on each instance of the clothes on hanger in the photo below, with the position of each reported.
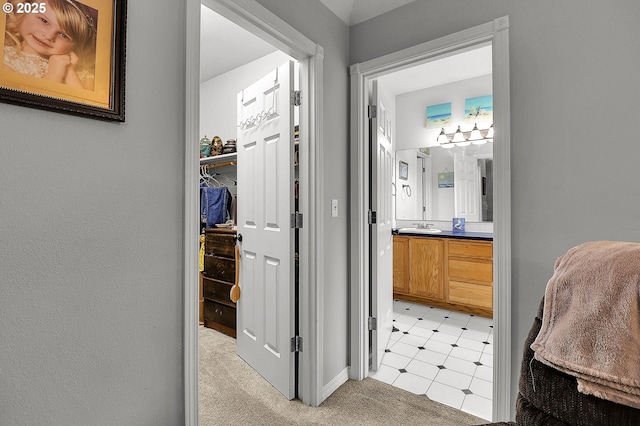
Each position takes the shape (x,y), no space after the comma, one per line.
(215,205)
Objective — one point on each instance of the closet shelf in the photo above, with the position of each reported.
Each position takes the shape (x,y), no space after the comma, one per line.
(219,159)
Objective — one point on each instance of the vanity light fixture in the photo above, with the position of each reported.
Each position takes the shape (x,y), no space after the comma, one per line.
(462,138)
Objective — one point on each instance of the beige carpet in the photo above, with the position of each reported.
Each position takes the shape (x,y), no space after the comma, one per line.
(232,393)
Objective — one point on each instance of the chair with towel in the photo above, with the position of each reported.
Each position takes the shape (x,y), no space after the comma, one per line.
(581,362)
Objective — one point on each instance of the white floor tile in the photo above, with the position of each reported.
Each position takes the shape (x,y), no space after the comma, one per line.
(461,366)
(444,337)
(478,335)
(406,319)
(385,374)
(412,383)
(440,347)
(446,395)
(395,360)
(486,359)
(422,332)
(421,365)
(423,369)
(401,327)
(481,388)
(484,372)
(478,406)
(474,345)
(431,357)
(466,354)
(450,329)
(413,340)
(453,379)
(428,323)
(404,349)
(456,322)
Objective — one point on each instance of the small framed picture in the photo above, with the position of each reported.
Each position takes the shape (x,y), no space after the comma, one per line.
(403,171)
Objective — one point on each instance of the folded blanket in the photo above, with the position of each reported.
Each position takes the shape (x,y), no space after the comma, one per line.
(591,320)
(215,205)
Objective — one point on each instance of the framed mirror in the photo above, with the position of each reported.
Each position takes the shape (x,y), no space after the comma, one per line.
(445,183)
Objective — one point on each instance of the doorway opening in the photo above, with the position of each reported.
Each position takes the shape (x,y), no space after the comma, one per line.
(362,75)
(256,19)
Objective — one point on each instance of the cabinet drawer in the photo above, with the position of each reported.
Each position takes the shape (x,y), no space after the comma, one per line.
(471,294)
(220,268)
(471,249)
(474,270)
(219,291)
(220,314)
(219,244)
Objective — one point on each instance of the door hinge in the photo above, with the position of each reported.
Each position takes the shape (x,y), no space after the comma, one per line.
(296,220)
(373,111)
(296,344)
(296,98)
(372,323)
(371,217)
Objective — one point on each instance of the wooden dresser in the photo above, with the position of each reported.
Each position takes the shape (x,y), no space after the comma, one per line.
(218,277)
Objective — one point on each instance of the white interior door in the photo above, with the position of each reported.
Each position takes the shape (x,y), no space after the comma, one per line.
(467,184)
(381,292)
(265,311)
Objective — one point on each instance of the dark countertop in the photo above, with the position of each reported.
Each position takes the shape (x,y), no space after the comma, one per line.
(484,236)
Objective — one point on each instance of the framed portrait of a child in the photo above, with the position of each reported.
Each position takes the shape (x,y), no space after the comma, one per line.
(64,55)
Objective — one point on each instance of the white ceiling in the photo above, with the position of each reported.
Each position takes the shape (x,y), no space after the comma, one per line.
(225,46)
(355,11)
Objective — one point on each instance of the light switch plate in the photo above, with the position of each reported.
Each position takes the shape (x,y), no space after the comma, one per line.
(334,208)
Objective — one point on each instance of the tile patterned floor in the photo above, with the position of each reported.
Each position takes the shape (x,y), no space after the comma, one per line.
(445,355)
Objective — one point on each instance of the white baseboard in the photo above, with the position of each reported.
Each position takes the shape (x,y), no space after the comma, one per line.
(335,383)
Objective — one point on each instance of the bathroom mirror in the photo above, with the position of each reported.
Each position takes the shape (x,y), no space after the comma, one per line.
(445,183)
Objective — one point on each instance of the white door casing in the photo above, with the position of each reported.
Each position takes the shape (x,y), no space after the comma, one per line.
(381,239)
(265,311)
(495,32)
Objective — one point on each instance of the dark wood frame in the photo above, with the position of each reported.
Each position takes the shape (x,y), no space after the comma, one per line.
(116,109)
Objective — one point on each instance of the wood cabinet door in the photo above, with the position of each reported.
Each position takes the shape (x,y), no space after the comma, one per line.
(426,267)
(401,264)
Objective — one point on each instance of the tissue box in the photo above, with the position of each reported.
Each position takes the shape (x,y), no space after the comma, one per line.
(458,224)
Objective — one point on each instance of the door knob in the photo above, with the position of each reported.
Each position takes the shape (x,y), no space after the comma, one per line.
(239,238)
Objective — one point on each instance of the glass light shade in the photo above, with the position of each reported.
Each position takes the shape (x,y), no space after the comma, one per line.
(490,133)
(458,136)
(442,137)
(448,145)
(475,133)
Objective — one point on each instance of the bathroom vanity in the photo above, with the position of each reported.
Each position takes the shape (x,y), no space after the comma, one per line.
(446,270)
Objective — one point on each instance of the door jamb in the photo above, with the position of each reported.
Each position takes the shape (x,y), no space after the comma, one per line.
(496,32)
(260,21)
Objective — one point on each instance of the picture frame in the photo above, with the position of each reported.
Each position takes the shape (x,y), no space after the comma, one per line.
(84,76)
(403,170)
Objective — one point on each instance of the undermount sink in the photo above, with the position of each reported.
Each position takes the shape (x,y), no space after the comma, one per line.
(418,231)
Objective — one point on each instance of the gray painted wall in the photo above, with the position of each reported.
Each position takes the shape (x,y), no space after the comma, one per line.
(574,89)
(315,21)
(91,247)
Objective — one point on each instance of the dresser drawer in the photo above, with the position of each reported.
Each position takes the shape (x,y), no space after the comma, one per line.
(471,249)
(220,244)
(471,294)
(220,314)
(218,291)
(474,270)
(220,268)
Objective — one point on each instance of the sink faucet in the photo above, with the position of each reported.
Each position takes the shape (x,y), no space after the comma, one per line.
(423,225)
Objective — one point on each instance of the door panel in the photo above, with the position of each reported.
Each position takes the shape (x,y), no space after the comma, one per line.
(265,310)
(381,290)
(466,182)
